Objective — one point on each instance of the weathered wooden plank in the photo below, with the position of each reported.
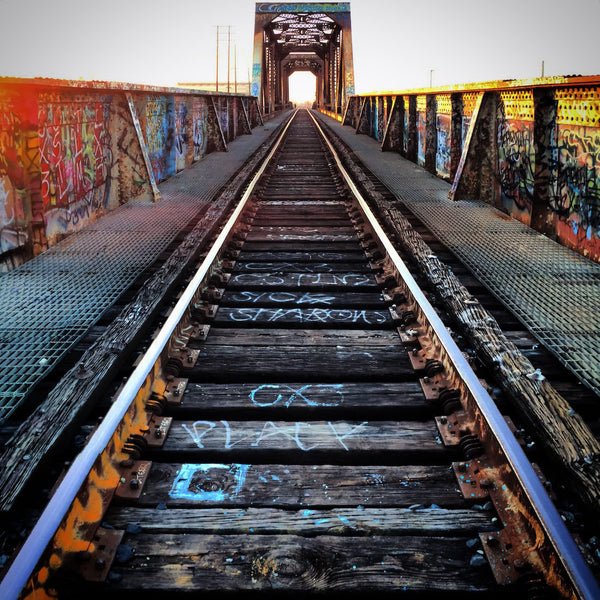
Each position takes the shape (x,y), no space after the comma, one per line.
(404,398)
(300,337)
(315,316)
(333,299)
(341,521)
(304,245)
(196,438)
(300,234)
(313,216)
(293,563)
(330,221)
(312,281)
(243,265)
(303,256)
(299,202)
(295,486)
(349,363)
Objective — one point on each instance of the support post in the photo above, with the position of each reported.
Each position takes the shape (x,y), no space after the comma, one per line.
(431,133)
(144,149)
(456,183)
(392,138)
(545,108)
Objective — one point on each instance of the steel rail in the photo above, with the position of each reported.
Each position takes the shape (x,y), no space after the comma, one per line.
(582,579)
(26,560)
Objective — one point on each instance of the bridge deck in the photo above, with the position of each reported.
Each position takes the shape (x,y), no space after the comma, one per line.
(50,302)
(554,291)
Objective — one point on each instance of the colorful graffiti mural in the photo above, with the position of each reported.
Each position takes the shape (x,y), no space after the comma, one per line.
(442,157)
(180,134)
(68,154)
(576,184)
(75,162)
(421,145)
(516,165)
(405,129)
(200,127)
(160,135)
(15,206)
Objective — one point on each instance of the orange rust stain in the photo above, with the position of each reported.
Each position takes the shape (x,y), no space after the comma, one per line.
(43,575)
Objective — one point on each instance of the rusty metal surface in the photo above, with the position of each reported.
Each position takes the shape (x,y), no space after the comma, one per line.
(50,302)
(554,291)
(107,85)
(498,84)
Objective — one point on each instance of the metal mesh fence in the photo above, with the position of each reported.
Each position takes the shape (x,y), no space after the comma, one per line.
(51,301)
(553,291)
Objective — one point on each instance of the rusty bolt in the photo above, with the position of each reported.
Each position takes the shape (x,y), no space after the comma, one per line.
(443,420)
(189,358)
(158,433)
(520,564)
(461,467)
(492,540)
(486,484)
(134,484)
(99,564)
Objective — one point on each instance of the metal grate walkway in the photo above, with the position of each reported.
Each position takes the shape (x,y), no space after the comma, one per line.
(51,301)
(554,291)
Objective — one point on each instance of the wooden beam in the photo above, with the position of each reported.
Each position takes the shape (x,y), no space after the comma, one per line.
(194,563)
(300,486)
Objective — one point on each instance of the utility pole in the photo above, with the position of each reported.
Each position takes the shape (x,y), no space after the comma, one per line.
(235,68)
(228,54)
(217,78)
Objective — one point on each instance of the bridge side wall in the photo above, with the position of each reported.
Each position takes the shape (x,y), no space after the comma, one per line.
(531,150)
(69,152)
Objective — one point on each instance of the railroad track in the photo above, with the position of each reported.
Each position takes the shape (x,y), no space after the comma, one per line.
(303,422)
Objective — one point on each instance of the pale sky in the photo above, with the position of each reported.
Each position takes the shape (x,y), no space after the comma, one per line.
(396,42)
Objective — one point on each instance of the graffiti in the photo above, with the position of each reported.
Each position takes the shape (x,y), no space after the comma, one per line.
(223,113)
(180,135)
(208,482)
(442,157)
(14,216)
(14,213)
(576,185)
(9,143)
(421,125)
(75,151)
(305,436)
(75,163)
(200,127)
(157,133)
(61,220)
(312,315)
(301,279)
(516,163)
(405,131)
(282,297)
(273,394)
